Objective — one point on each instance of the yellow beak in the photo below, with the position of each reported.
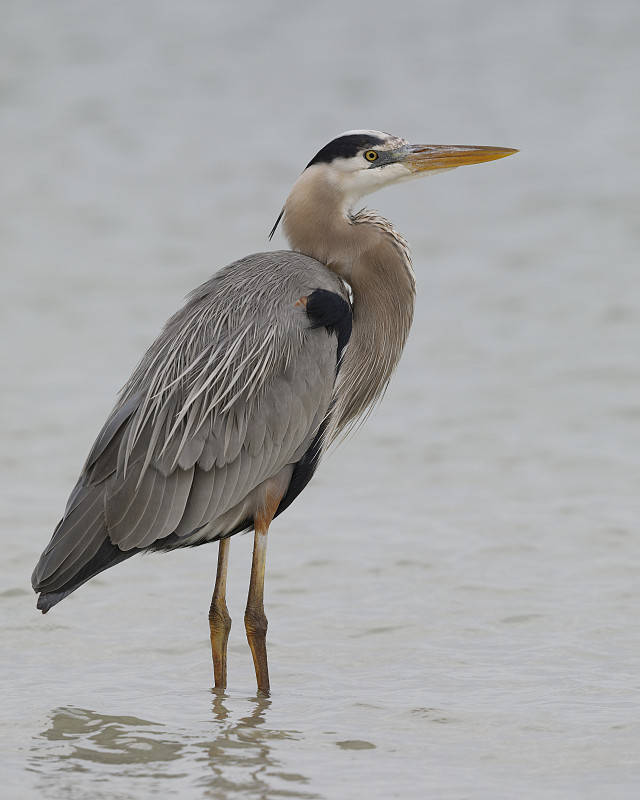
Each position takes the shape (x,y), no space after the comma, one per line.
(421,157)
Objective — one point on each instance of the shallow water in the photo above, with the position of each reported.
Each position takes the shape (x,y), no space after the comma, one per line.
(453,601)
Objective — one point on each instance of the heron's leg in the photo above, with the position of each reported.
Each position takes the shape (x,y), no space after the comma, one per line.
(255,620)
(219,619)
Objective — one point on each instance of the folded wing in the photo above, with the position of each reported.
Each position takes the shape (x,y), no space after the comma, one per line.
(231,393)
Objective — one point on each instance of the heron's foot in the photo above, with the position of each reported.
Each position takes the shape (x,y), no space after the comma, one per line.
(219,627)
(256,623)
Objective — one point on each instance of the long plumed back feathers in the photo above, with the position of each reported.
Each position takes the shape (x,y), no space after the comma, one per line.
(213,355)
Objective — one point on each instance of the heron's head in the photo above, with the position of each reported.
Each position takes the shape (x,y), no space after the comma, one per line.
(359,162)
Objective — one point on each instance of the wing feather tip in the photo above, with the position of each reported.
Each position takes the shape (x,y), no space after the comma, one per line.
(46,601)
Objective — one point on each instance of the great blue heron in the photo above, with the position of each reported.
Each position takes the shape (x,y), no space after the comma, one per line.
(224,421)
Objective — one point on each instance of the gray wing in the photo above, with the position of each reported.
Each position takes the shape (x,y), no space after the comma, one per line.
(232,391)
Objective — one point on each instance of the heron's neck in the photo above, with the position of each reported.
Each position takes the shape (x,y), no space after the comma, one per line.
(374,260)
(317,223)
(383,289)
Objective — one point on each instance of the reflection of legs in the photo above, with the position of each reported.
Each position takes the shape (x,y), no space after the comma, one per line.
(219,619)
(255,620)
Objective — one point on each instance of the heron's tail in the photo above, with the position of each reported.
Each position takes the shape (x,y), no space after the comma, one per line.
(53,591)
(79,549)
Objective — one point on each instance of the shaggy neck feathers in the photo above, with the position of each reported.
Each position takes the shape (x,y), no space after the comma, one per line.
(367,253)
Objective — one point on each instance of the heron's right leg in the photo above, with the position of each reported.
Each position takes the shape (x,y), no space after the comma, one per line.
(219,619)
(255,620)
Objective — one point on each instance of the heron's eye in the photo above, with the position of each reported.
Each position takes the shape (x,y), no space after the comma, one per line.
(371,155)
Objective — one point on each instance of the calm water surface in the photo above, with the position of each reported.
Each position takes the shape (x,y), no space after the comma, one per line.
(453,602)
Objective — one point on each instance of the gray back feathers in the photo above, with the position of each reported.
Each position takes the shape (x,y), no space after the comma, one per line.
(232,391)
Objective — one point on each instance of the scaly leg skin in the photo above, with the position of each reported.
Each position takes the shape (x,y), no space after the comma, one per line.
(219,619)
(255,620)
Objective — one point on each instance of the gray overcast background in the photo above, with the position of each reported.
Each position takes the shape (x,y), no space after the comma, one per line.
(453,603)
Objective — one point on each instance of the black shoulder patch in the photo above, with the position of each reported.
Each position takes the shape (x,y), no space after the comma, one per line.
(345,147)
(328,310)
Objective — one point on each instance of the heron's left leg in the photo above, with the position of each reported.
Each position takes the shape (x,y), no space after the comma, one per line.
(219,619)
(255,619)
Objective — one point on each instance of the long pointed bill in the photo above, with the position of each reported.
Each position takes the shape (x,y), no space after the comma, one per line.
(422,157)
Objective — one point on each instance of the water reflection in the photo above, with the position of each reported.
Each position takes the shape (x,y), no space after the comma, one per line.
(80,749)
(104,739)
(241,757)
